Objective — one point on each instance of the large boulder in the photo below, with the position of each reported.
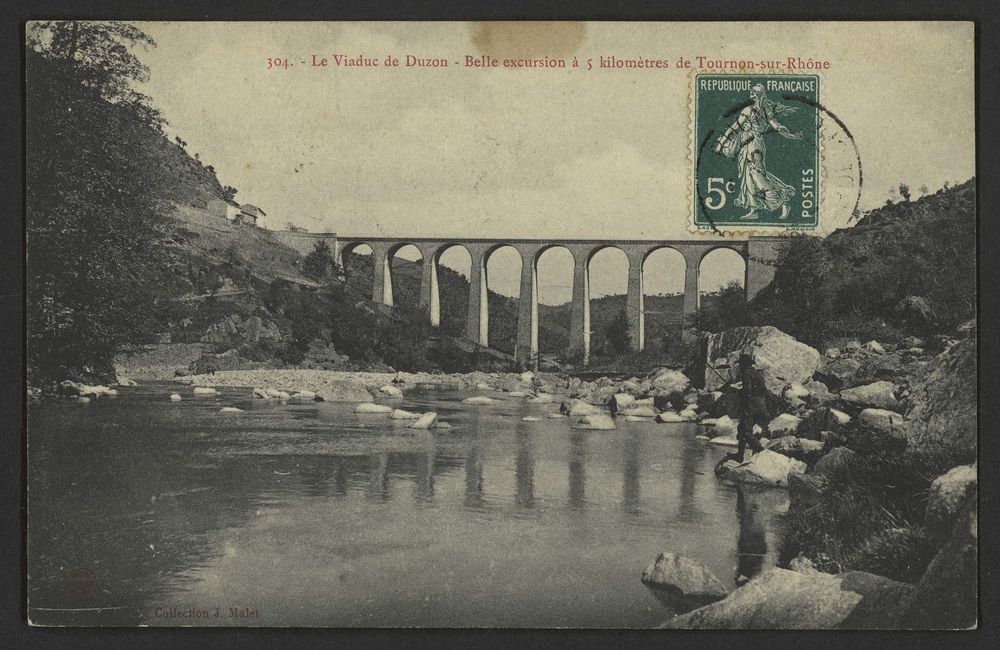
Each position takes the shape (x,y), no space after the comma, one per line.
(942,403)
(806,490)
(640,412)
(781,359)
(620,401)
(785,424)
(839,372)
(765,468)
(797,448)
(780,599)
(915,310)
(685,576)
(879,394)
(670,381)
(948,493)
(884,421)
(946,597)
(835,461)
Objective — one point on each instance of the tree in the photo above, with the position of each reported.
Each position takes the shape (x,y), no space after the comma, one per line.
(95,213)
(904,191)
(618,333)
(318,261)
(229,193)
(722,310)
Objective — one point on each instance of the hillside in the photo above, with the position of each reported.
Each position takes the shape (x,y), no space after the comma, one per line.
(907,268)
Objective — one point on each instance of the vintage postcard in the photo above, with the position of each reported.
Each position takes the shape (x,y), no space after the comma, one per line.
(533,324)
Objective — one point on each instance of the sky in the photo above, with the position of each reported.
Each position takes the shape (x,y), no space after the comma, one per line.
(561,153)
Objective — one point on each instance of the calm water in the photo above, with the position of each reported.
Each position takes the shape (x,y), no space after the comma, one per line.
(312,515)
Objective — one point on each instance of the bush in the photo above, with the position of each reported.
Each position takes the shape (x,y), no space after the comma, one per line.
(871,517)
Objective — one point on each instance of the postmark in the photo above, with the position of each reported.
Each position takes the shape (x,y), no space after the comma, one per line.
(756,153)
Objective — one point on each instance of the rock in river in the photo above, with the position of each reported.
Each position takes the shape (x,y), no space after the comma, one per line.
(640,412)
(765,468)
(425,421)
(390,391)
(204,390)
(480,400)
(686,576)
(579,408)
(599,421)
(400,414)
(370,407)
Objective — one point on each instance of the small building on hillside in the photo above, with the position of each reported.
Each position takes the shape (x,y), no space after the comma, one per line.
(249,214)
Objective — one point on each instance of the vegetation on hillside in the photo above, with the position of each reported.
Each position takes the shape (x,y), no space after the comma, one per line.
(907,268)
(95,221)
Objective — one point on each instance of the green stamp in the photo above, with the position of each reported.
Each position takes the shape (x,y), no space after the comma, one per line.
(756,151)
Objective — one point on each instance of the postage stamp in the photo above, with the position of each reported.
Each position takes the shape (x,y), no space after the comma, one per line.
(756,152)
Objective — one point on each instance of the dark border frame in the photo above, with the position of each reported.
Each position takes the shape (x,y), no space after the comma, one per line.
(12,612)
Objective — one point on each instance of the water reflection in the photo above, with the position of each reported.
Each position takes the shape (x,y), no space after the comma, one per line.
(424,486)
(524,469)
(161,501)
(631,473)
(751,548)
(687,502)
(474,475)
(577,496)
(378,477)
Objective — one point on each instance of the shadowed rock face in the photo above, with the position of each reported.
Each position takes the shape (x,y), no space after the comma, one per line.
(788,600)
(946,596)
(949,493)
(942,406)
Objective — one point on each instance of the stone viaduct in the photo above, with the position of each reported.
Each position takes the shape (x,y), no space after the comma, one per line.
(759,255)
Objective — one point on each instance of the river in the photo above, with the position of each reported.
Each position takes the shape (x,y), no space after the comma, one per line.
(147,511)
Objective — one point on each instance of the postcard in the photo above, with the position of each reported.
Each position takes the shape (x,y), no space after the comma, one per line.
(502,324)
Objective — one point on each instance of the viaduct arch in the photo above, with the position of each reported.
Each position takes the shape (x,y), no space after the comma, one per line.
(758,253)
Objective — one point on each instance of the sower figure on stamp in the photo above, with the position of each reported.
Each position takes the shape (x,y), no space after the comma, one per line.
(759,189)
(753,408)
